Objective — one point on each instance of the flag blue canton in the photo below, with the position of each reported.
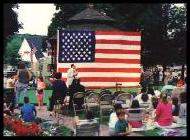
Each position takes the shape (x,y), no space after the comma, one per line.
(76,46)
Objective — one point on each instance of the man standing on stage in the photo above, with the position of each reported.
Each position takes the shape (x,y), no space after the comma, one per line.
(71,74)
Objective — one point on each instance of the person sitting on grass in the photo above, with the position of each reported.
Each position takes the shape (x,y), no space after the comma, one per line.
(164,111)
(6,109)
(175,106)
(28,111)
(113,119)
(155,101)
(136,114)
(182,118)
(122,128)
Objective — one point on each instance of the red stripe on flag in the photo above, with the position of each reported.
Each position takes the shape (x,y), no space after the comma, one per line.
(124,42)
(118,33)
(126,70)
(107,79)
(107,87)
(127,61)
(115,51)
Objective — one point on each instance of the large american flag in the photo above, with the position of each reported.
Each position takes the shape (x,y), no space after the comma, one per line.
(103,58)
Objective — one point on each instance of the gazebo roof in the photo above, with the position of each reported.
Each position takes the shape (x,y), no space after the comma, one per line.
(90,14)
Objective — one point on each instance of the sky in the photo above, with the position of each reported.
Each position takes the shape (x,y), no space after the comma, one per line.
(37,17)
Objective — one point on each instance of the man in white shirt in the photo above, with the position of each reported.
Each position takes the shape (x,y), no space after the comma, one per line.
(71,74)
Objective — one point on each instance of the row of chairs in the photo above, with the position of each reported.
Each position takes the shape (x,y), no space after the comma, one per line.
(102,103)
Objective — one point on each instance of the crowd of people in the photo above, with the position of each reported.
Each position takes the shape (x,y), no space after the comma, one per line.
(156,77)
(60,90)
(163,109)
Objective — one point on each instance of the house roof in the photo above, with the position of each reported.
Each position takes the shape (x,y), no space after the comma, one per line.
(90,14)
(35,41)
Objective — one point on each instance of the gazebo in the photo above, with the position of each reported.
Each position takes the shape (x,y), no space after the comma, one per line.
(88,19)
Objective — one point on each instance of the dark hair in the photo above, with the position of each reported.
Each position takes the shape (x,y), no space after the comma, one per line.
(26,100)
(154,102)
(72,65)
(164,97)
(150,90)
(21,65)
(143,89)
(183,97)
(41,78)
(144,97)
(58,75)
(89,115)
(135,104)
(175,103)
(75,82)
(117,107)
(174,100)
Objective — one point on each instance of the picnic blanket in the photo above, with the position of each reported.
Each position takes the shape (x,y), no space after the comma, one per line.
(155,130)
(173,132)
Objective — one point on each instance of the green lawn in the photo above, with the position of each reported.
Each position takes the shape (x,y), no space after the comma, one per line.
(32,96)
(48,93)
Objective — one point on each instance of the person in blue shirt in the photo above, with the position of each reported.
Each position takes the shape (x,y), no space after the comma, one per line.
(28,111)
(122,128)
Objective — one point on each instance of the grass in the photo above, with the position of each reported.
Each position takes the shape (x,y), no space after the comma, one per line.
(65,131)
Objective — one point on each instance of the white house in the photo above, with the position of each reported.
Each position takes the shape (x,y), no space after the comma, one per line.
(30,51)
(25,52)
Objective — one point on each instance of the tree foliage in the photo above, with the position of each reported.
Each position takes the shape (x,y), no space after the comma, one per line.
(12,48)
(10,21)
(163,27)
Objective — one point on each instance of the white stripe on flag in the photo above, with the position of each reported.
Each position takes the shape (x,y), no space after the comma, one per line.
(108,84)
(118,56)
(118,46)
(98,65)
(119,37)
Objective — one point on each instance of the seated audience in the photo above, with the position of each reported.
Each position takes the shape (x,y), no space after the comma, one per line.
(122,128)
(150,90)
(73,88)
(175,106)
(6,109)
(182,119)
(164,111)
(113,119)
(28,111)
(138,114)
(143,90)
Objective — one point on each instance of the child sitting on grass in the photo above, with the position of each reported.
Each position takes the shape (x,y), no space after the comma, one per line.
(122,128)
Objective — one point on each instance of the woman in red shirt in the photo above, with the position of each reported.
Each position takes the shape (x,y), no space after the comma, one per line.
(164,111)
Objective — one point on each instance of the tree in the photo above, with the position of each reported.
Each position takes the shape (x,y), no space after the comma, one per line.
(12,48)
(155,21)
(10,21)
(60,19)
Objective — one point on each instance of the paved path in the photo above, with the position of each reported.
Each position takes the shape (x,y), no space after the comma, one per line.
(65,120)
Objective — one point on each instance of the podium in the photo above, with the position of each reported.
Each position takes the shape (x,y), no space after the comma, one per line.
(118,86)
